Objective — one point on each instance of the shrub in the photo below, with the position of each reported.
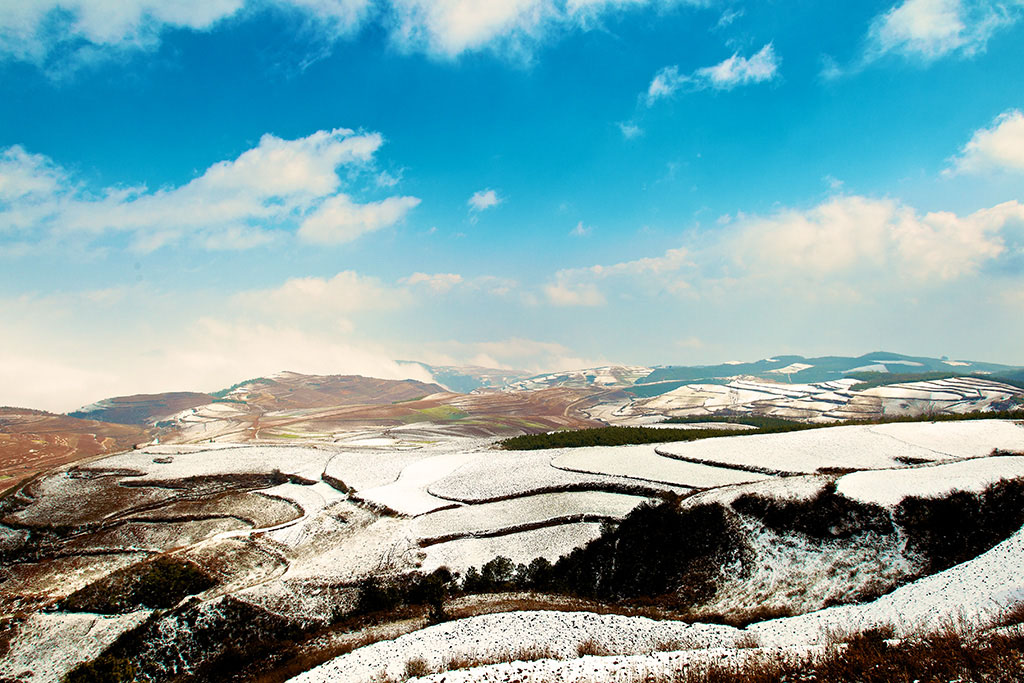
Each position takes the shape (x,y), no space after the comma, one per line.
(105,669)
(377,595)
(953,529)
(657,551)
(825,516)
(608,436)
(159,584)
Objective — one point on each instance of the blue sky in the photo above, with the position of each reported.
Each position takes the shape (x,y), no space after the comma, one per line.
(192,193)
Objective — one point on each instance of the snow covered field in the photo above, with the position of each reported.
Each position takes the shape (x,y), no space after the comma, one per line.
(408,494)
(507,474)
(974,593)
(856,447)
(889,487)
(642,462)
(297,549)
(159,466)
(521,547)
(496,635)
(824,401)
(519,512)
(41,653)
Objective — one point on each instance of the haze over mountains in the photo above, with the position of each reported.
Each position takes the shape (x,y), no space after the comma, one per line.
(294,390)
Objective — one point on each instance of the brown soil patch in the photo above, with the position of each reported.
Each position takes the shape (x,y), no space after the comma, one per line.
(32,442)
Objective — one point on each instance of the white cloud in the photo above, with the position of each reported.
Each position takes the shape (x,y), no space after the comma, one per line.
(563,293)
(447,28)
(728,17)
(931,29)
(385,179)
(672,261)
(998,147)
(31,30)
(339,219)
(489,284)
(346,292)
(579,286)
(761,67)
(38,30)
(436,282)
(834,184)
(581,230)
(218,351)
(60,352)
(665,83)
(236,203)
(237,238)
(41,31)
(24,175)
(871,243)
(483,200)
(737,70)
(517,353)
(847,248)
(630,130)
(450,27)
(28,184)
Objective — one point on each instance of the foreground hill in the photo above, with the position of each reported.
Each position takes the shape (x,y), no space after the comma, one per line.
(297,554)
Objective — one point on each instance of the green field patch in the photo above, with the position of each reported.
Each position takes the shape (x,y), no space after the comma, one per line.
(435,414)
(289,435)
(409,400)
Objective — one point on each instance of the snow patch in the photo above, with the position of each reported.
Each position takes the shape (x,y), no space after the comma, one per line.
(41,652)
(889,487)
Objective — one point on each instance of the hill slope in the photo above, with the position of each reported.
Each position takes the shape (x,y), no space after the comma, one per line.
(32,441)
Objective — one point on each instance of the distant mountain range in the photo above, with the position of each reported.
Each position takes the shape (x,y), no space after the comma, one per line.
(482,402)
(289,390)
(880,367)
(822,369)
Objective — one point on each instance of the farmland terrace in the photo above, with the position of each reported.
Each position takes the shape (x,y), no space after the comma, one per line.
(299,543)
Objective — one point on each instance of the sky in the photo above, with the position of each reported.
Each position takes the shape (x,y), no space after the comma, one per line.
(199,192)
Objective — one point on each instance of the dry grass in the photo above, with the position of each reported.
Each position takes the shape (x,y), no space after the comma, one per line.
(669,645)
(870,657)
(593,648)
(738,618)
(492,603)
(747,641)
(532,653)
(460,662)
(1012,615)
(417,666)
(335,642)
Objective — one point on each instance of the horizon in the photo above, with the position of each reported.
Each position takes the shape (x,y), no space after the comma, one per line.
(192,197)
(430,378)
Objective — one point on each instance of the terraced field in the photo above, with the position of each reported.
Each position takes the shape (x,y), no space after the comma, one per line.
(826,401)
(292,531)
